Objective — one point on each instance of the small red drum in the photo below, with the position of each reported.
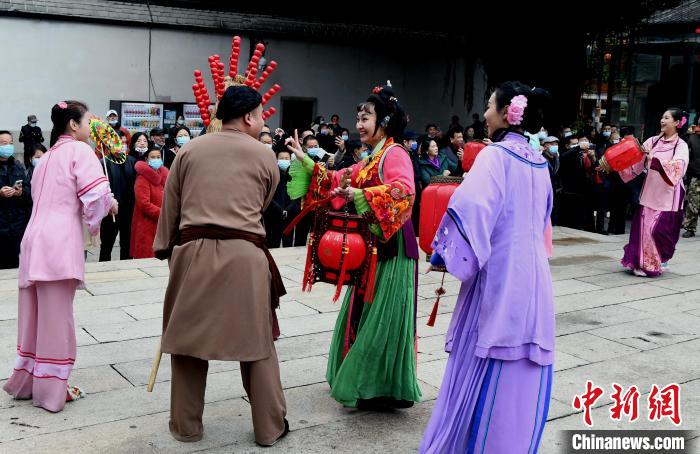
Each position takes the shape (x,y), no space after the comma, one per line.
(341,251)
(433,207)
(335,239)
(622,155)
(471,150)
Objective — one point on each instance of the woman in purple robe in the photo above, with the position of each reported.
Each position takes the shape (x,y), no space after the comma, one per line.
(495,392)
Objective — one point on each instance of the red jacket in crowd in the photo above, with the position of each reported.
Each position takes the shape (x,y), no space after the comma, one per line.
(149,199)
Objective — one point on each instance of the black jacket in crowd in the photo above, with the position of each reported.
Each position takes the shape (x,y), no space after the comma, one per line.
(14,211)
(30,135)
(281,203)
(122,178)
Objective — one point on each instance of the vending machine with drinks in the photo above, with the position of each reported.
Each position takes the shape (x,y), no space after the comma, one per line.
(141,116)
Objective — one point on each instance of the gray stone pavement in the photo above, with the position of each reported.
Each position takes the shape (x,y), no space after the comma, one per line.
(611,327)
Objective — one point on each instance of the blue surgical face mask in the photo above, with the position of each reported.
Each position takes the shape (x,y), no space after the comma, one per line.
(6,151)
(35,161)
(324,132)
(34,124)
(364,155)
(554,149)
(345,137)
(414,146)
(606,134)
(113,122)
(155,164)
(182,140)
(567,134)
(284,164)
(314,152)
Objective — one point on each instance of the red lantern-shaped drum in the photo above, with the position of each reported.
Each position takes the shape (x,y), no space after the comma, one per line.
(433,207)
(623,155)
(341,228)
(330,249)
(471,150)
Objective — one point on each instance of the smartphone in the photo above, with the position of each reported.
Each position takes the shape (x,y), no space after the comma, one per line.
(18,184)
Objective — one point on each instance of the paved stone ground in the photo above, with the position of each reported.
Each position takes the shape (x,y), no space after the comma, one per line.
(611,326)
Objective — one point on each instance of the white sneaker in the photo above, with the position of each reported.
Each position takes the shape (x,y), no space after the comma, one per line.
(639,273)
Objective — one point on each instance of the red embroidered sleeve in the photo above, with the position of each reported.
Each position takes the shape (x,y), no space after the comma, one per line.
(321,182)
(391,205)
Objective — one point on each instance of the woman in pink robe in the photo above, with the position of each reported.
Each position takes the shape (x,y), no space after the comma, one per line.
(657,223)
(69,187)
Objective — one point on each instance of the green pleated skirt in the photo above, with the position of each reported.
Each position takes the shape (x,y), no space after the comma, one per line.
(382,360)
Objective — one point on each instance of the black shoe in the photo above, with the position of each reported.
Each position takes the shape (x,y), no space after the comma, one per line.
(284,434)
(378,404)
(688,234)
(402,403)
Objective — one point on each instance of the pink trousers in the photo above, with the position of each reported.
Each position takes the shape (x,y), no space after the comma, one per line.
(46,344)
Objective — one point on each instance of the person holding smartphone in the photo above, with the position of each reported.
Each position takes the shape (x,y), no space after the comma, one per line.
(15,202)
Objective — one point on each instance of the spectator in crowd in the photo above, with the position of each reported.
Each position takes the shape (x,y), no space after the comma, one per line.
(454,123)
(354,151)
(113,120)
(410,142)
(591,193)
(306,133)
(316,124)
(551,154)
(266,129)
(312,148)
(431,131)
(618,197)
(604,138)
(566,132)
(139,146)
(326,139)
(470,134)
(478,127)
(121,179)
(455,150)
(157,137)
(433,162)
(266,138)
(181,135)
(282,210)
(279,134)
(15,202)
(692,197)
(148,191)
(335,125)
(30,135)
(573,170)
(39,151)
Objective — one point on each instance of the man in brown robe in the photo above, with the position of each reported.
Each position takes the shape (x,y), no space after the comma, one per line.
(223,284)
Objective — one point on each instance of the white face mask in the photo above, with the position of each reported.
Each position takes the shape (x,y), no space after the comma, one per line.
(141,150)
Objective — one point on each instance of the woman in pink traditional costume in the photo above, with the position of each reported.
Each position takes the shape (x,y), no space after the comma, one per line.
(69,187)
(656,226)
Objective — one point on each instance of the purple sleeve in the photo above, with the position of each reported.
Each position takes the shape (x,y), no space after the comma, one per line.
(477,203)
(453,249)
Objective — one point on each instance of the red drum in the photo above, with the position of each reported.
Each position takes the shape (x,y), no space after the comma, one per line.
(471,150)
(622,155)
(433,207)
(341,251)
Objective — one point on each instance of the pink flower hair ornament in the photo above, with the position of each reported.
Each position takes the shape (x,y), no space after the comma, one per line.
(684,120)
(516,110)
(62,105)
